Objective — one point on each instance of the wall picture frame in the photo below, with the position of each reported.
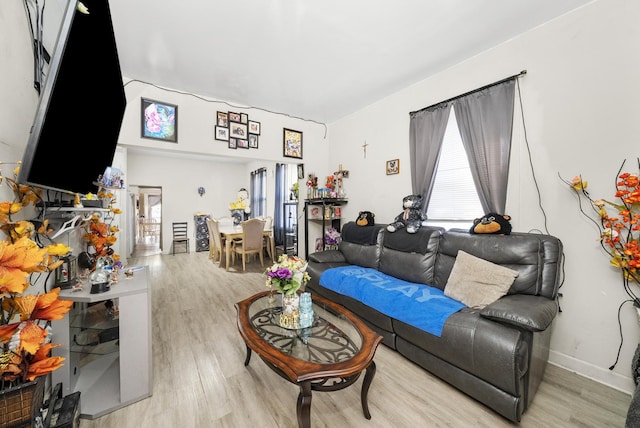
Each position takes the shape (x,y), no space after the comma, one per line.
(393,166)
(222,119)
(233,143)
(254,127)
(300,171)
(233,117)
(253,141)
(159,120)
(244,118)
(242,143)
(222,133)
(292,143)
(238,130)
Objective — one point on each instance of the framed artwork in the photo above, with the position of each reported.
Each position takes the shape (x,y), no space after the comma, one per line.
(244,118)
(393,166)
(233,143)
(300,170)
(237,130)
(253,141)
(223,119)
(159,120)
(292,143)
(222,133)
(254,127)
(233,117)
(242,143)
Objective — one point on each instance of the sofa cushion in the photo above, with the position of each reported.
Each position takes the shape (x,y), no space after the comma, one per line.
(477,282)
(410,256)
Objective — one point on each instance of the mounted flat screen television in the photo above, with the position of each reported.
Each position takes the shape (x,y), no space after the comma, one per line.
(77,123)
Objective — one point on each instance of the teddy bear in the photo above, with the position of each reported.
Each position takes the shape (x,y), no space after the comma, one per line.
(411,217)
(492,223)
(365,218)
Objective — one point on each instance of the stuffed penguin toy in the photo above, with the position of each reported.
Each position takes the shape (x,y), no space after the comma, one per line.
(492,223)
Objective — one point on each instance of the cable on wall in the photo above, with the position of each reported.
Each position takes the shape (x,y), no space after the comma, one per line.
(535,181)
(229,104)
(35,15)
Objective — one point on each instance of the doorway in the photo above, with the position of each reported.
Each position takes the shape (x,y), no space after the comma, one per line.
(147,220)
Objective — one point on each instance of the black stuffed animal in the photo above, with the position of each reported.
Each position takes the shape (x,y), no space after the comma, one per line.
(492,223)
(411,218)
(365,218)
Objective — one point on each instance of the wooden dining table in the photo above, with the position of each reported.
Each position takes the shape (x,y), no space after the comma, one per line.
(230,232)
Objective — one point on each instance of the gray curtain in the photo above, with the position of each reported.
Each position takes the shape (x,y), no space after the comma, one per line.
(485,120)
(426,133)
(281,196)
(257,192)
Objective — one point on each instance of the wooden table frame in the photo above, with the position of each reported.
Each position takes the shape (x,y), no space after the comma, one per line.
(308,375)
(229,233)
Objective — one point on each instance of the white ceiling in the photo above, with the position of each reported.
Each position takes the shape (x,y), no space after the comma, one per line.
(313,59)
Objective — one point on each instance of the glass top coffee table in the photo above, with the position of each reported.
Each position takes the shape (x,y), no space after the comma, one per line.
(328,356)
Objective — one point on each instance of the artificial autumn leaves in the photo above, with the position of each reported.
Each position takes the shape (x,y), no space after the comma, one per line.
(30,357)
(24,318)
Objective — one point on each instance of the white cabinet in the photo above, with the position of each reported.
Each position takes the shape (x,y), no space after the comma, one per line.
(107,358)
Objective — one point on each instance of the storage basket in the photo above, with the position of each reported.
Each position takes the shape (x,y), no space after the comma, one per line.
(20,405)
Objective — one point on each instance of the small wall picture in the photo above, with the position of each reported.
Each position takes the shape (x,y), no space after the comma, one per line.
(393,166)
(244,118)
(159,120)
(292,143)
(253,141)
(234,117)
(233,143)
(300,171)
(223,119)
(242,143)
(254,127)
(222,133)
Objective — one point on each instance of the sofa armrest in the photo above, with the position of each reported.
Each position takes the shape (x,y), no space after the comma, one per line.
(329,256)
(533,313)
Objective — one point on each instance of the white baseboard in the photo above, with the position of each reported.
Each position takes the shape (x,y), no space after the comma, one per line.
(597,374)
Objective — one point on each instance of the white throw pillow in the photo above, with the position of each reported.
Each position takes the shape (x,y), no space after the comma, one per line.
(477,282)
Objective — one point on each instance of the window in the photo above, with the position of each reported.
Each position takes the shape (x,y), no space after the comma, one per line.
(454,200)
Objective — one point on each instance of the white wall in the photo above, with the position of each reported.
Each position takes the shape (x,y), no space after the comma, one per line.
(581,113)
(581,118)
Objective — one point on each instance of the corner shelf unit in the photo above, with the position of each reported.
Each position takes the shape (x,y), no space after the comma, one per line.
(326,212)
(107,358)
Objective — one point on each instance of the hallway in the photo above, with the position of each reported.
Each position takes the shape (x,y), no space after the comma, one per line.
(146,246)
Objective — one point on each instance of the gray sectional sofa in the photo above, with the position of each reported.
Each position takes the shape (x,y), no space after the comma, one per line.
(497,354)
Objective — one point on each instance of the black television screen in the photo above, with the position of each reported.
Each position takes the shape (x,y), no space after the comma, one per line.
(75,130)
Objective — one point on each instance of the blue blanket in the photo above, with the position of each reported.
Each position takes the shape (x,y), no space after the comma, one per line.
(419,305)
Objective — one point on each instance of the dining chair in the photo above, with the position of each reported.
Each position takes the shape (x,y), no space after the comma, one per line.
(268,225)
(251,242)
(180,236)
(216,246)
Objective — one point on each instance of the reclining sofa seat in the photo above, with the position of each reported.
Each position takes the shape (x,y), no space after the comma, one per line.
(496,355)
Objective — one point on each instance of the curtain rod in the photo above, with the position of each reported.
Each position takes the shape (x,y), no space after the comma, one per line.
(515,76)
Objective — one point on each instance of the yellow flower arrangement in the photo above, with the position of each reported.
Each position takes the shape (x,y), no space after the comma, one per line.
(25,342)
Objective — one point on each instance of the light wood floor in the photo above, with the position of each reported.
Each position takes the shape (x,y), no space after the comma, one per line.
(199,379)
